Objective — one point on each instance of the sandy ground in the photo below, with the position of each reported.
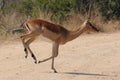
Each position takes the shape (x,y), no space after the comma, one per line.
(89,57)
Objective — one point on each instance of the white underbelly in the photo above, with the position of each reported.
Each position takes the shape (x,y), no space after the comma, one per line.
(42,38)
(49,36)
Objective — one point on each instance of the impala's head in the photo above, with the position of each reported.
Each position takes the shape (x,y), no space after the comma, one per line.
(90,26)
(87,23)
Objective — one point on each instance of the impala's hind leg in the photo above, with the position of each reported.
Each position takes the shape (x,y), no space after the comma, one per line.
(23,42)
(27,45)
(26,40)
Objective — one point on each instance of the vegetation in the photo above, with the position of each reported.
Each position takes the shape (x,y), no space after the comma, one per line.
(58,10)
(61,9)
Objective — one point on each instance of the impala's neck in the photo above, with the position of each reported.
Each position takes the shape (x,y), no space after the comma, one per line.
(74,34)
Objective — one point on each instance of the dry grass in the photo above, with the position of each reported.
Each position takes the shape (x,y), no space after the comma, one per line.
(14,20)
(110,26)
(8,23)
(74,22)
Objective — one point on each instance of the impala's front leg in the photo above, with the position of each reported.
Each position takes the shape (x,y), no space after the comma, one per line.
(54,54)
(27,46)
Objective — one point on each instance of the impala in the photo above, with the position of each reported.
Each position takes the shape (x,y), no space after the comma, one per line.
(56,33)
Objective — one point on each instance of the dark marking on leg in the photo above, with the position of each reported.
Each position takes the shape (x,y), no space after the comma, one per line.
(26,52)
(25,49)
(39,62)
(33,56)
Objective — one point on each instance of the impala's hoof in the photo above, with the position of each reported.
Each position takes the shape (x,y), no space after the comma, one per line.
(35,62)
(25,56)
(55,71)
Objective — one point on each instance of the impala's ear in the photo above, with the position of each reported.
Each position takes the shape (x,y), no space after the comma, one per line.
(89,12)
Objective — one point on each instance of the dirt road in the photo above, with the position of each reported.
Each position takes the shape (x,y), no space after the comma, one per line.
(89,57)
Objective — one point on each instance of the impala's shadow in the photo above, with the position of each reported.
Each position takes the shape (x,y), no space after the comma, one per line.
(85,74)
